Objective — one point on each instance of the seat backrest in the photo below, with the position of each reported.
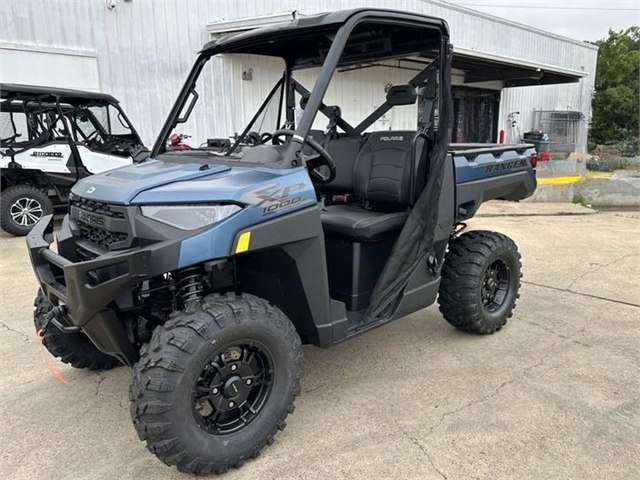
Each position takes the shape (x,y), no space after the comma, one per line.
(344,151)
(318,136)
(383,167)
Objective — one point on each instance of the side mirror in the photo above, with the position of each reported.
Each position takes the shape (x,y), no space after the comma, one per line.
(404,94)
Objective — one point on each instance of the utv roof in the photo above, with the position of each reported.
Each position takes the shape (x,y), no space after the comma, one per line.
(304,37)
(10,90)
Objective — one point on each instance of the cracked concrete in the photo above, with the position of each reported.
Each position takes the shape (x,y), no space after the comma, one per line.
(24,336)
(426,453)
(554,395)
(599,297)
(118,398)
(600,266)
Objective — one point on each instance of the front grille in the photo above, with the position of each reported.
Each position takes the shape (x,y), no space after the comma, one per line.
(100,223)
(100,236)
(96,207)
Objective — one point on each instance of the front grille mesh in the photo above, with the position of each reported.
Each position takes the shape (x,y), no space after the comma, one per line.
(95,234)
(100,236)
(96,207)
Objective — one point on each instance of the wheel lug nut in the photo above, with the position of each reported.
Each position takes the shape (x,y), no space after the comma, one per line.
(215,391)
(248,382)
(234,368)
(232,404)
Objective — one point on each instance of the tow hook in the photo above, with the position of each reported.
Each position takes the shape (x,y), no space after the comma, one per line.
(56,314)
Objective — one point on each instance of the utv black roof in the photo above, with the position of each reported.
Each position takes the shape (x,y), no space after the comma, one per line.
(11,90)
(308,38)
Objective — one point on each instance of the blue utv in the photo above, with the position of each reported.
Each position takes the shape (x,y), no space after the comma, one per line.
(206,269)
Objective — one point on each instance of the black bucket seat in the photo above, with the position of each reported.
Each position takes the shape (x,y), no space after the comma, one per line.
(382,178)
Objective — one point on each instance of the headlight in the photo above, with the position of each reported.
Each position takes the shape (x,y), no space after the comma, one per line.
(189,217)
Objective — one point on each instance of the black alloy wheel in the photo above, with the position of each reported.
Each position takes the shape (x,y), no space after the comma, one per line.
(233,387)
(495,285)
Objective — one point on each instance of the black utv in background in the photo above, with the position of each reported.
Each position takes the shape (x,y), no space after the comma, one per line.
(207,269)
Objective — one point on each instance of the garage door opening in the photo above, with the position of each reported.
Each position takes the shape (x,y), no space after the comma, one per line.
(475,115)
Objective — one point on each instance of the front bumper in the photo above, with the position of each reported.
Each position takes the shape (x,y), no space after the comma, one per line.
(66,282)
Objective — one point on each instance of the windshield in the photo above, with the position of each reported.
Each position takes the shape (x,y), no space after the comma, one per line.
(215,122)
(234,102)
(257,84)
(98,124)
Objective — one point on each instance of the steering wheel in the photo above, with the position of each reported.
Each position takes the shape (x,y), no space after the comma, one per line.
(92,136)
(95,142)
(313,162)
(91,140)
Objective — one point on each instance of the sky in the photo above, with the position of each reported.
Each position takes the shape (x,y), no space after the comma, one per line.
(577,19)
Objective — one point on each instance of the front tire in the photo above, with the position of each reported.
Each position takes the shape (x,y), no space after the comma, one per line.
(72,348)
(21,207)
(216,382)
(480,281)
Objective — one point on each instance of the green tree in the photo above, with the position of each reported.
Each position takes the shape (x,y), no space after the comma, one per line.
(616,103)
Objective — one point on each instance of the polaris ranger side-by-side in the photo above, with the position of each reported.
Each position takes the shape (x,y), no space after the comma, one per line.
(49,139)
(207,269)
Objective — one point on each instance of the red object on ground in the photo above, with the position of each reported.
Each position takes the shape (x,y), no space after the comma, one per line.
(48,364)
(544,156)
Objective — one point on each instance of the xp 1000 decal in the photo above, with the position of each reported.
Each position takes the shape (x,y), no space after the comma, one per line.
(274,198)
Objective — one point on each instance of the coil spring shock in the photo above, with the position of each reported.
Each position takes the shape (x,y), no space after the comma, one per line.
(191,285)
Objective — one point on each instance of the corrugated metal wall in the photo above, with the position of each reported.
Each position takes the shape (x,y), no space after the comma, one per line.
(145,48)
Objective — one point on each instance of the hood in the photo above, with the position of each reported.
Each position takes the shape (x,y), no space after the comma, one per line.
(123,184)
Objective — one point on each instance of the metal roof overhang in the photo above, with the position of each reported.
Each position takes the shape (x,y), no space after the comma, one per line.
(478,67)
(513,72)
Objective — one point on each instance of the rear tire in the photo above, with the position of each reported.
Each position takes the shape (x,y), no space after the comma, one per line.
(216,382)
(72,348)
(480,281)
(21,207)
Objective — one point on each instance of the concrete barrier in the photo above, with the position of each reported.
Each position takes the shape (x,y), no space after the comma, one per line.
(616,191)
(621,189)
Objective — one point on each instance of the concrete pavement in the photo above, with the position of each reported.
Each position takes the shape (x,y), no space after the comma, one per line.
(556,394)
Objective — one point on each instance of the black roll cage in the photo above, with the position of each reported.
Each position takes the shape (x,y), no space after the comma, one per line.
(35,105)
(329,64)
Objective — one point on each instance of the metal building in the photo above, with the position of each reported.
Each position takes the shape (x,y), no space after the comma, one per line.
(141,50)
